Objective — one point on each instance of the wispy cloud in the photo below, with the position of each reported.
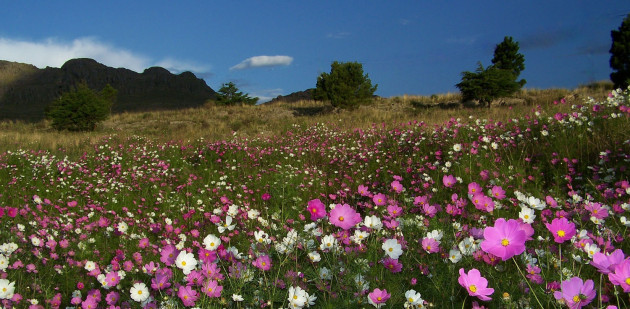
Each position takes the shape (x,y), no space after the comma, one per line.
(263,61)
(54,53)
(546,38)
(338,35)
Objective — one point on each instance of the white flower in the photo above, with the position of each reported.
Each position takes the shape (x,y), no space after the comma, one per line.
(36,242)
(373,222)
(591,249)
(359,236)
(454,255)
(89,266)
(413,298)
(624,221)
(467,246)
(536,203)
(4,262)
(253,214)
(328,242)
(227,225)
(6,289)
(139,292)
(392,248)
(362,284)
(527,215)
(232,211)
(262,237)
(186,262)
(297,297)
(122,227)
(324,273)
(435,234)
(457,147)
(237,297)
(211,242)
(314,256)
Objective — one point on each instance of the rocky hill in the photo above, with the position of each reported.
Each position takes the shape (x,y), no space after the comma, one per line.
(25,90)
(306,95)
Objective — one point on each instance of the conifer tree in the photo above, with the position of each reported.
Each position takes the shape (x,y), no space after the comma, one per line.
(620,55)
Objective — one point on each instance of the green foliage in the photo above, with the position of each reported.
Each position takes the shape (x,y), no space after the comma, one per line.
(81,109)
(507,57)
(345,86)
(487,84)
(497,80)
(229,95)
(620,55)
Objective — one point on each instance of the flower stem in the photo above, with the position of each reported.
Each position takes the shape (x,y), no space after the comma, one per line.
(528,284)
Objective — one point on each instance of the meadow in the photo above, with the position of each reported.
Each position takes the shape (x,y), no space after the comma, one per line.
(293,206)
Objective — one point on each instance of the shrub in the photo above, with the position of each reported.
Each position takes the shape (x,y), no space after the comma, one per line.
(620,55)
(229,95)
(345,86)
(81,109)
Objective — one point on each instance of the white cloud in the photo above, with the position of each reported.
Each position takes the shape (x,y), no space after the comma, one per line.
(263,61)
(54,53)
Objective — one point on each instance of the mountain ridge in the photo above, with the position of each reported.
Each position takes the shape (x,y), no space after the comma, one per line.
(26,90)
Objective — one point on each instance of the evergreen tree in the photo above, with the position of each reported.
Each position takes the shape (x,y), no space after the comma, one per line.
(345,86)
(229,95)
(507,57)
(81,109)
(620,55)
(487,84)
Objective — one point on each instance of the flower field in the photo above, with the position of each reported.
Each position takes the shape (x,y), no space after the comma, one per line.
(528,212)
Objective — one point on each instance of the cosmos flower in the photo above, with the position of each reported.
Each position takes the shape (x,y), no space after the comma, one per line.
(343,216)
(212,288)
(561,229)
(576,293)
(378,297)
(262,262)
(392,248)
(186,262)
(139,292)
(317,209)
(211,242)
(475,284)
(188,295)
(449,181)
(379,199)
(607,263)
(504,239)
(621,275)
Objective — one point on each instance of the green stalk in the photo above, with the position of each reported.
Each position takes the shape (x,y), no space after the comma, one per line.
(528,284)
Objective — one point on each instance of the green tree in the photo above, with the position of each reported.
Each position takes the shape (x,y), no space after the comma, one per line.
(507,57)
(345,86)
(229,95)
(487,84)
(620,55)
(81,108)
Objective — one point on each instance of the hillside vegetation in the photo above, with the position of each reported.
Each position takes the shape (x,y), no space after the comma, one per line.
(213,122)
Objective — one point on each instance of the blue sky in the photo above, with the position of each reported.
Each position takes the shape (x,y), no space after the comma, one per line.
(269,48)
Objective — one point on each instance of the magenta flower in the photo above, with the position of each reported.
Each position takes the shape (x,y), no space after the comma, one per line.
(212,271)
(112,278)
(475,284)
(561,229)
(394,210)
(317,209)
(344,216)
(474,188)
(621,275)
(575,293)
(112,298)
(188,295)
(449,180)
(379,199)
(161,279)
(363,190)
(378,297)
(396,186)
(212,288)
(392,265)
(168,255)
(263,262)
(498,192)
(504,239)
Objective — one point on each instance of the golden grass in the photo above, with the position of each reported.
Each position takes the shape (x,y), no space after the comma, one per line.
(213,122)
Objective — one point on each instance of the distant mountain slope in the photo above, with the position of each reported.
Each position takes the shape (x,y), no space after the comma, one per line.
(25,90)
(306,95)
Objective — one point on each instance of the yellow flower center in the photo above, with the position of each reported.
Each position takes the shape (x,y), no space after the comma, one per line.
(561,233)
(505,242)
(209,290)
(139,292)
(211,244)
(378,298)
(295,297)
(340,218)
(472,288)
(628,281)
(314,210)
(526,216)
(576,298)
(410,300)
(183,263)
(380,200)
(391,249)
(264,264)
(429,247)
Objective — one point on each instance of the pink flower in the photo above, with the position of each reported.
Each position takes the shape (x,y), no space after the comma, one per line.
(396,186)
(317,209)
(112,278)
(498,192)
(430,245)
(394,210)
(188,295)
(621,275)
(475,284)
(378,297)
(265,196)
(212,288)
(575,293)
(504,239)
(449,180)
(561,229)
(607,263)
(474,188)
(379,199)
(263,262)
(112,298)
(363,190)
(344,216)
(168,255)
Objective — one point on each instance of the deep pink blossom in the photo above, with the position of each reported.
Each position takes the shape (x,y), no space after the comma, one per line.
(561,229)
(317,209)
(188,295)
(621,275)
(212,288)
(504,239)
(379,199)
(607,263)
(263,262)
(378,297)
(575,293)
(449,180)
